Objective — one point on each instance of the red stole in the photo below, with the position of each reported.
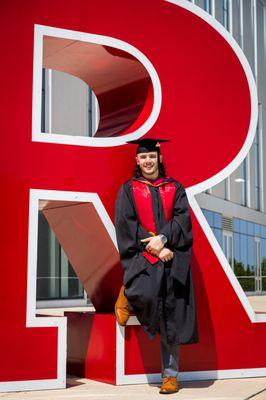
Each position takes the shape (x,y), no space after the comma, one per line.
(143,201)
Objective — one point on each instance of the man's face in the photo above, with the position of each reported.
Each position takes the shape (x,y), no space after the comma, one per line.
(148,162)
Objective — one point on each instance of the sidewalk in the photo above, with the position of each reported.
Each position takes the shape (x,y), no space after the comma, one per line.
(224,389)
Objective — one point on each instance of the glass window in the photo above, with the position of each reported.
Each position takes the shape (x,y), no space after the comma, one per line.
(219,10)
(225,248)
(209,216)
(56,278)
(257,229)
(230,250)
(217,220)
(256,183)
(228,246)
(236,225)
(250,228)
(243,251)
(250,254)
(263,263)
(214,219)
(236,20)
(248,31)
(243,226)
(236,237)
(250,250)
(243,177)
(242,269)
(207,6)
(247,283)
(242,248)
(225,19)
(218,235)
(263,231)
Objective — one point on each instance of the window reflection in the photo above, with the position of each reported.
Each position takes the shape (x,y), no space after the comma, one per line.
(225,18)
(56,278)
(249,254)
(263,260)
(245,249)
(207,6)
(215,221)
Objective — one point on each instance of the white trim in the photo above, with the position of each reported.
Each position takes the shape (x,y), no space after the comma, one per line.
(196,375)
(120,352)
(18,386)
(38,136)
(62,303)
(59,322)
(226,236)
(49,99)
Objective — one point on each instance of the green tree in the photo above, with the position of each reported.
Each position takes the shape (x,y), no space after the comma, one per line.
(239,268)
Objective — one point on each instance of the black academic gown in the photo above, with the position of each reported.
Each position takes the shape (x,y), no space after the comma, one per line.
(161,290)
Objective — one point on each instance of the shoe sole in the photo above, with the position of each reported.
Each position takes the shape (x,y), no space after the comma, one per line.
(170,392)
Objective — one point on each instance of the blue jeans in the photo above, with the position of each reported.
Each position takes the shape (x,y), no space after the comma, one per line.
(169,354)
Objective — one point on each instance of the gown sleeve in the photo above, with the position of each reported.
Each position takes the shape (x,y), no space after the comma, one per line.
(129,233)
(178,232)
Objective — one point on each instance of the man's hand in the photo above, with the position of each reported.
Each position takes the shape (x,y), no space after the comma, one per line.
(155,244)
(166,255)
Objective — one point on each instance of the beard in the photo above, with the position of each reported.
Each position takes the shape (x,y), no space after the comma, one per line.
(137,172)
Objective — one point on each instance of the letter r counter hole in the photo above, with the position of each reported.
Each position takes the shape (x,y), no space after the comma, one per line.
(89,89)
(87,249)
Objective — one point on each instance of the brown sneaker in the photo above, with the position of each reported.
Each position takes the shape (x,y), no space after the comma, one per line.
(169,385)
(122,311)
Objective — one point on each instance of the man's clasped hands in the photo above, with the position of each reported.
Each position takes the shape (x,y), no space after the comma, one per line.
(155,246)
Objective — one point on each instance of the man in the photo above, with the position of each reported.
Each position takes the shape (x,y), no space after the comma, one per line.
(154,235)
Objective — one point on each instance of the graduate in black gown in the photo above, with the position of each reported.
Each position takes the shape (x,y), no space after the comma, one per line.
(154,235)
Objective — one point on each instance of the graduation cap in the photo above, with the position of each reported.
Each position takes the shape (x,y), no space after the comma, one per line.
(147,145)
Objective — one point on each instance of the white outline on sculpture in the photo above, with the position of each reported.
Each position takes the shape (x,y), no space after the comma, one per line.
(38,136)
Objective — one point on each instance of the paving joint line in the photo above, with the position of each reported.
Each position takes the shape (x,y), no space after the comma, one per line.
(255,394)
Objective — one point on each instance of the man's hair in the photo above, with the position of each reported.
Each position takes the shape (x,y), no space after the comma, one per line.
(137,171)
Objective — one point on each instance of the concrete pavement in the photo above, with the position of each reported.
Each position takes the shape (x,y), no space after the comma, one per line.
(82,389)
